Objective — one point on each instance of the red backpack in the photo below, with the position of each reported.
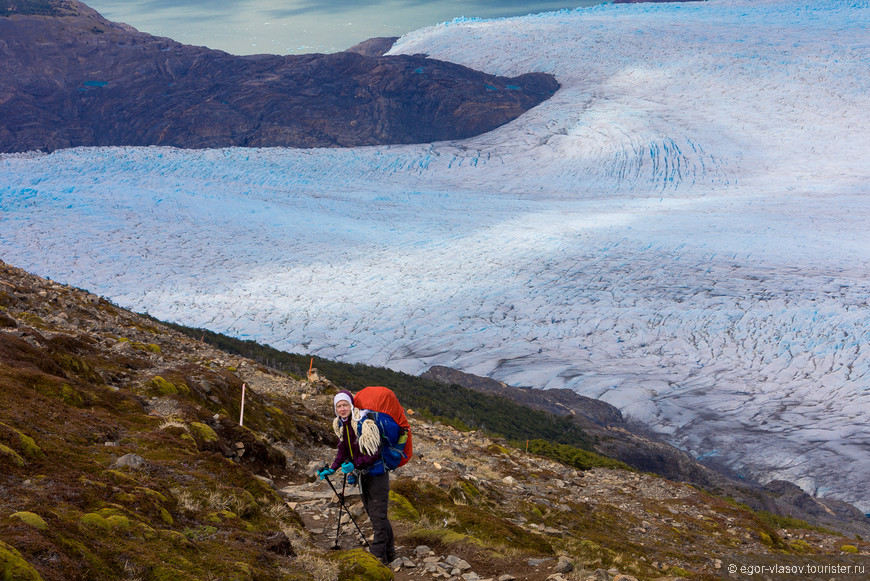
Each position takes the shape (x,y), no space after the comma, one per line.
(382,400)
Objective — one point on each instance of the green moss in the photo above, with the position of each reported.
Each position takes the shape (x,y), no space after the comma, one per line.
(221,515)
(109,510)
(200,533)
(118,523)
(95,521)
(30,518)
(849,549)
(145,532)
(496,449)
(402,509)
(153,494)
(125,497)
(79,368)
(248,504)
(799,546)
(165,516)
(162,387)
(7,454)
(463,490)
(147,347)
(360,565)
(30,318)
(153,348)
(71,396)
(25,444)
(13,567)
(244,572)
(29,447)
(203,433)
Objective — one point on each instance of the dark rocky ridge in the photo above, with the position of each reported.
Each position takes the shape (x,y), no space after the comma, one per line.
(69,77)
(636,445)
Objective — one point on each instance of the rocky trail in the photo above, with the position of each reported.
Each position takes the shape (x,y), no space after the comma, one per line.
(318,506)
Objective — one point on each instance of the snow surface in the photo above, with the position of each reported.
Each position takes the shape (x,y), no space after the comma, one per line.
(680,231)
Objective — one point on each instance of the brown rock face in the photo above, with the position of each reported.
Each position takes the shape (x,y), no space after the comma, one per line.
(68,78)
(561,402)
(374,46)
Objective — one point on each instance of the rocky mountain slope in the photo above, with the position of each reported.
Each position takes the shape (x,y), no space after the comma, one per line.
(122,457)
(638,446)
(69,77)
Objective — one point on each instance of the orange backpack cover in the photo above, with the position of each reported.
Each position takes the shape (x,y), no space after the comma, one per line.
(382,399)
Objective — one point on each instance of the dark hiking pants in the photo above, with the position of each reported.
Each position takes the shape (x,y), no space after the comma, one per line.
(376,497)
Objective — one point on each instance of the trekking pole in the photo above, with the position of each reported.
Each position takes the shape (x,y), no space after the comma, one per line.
(340,505)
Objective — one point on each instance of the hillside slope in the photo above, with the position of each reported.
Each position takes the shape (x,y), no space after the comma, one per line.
(638,446)
(69,77)
(680,232)
(122,458)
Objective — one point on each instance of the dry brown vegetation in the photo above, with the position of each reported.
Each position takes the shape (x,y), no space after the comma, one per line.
(121,457)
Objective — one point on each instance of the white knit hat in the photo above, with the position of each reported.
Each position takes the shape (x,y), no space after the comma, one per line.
(342,396)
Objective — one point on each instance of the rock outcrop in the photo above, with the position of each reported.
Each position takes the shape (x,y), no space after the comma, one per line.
(69,77)
(562,402)
(378,46)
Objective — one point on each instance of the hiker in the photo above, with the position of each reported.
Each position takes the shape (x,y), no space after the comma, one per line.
(358,455)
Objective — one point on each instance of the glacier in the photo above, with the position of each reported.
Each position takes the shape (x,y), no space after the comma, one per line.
(680,231)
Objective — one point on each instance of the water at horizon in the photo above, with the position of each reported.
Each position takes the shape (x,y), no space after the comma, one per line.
(303,26)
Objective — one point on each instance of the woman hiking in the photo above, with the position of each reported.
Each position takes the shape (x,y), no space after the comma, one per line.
(358,455)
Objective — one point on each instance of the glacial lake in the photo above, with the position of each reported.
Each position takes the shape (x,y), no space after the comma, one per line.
(303,26)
